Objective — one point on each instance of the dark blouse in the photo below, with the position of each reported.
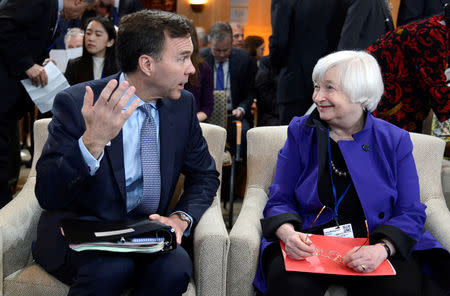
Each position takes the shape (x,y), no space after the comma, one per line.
(203,93)
(81,69)
(350,209)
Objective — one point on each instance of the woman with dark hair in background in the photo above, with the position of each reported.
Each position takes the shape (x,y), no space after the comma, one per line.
(200,84)
(255,47)
(98,59)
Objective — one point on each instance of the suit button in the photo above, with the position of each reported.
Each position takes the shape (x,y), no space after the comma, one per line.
(381,215)
(366,147)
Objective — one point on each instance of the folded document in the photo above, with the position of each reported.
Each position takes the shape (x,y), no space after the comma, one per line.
(143,236)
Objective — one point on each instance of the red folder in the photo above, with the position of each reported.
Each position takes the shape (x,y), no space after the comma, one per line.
(331,247)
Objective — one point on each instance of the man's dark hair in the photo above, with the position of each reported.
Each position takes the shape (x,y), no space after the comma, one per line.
(143,32)
(219,31)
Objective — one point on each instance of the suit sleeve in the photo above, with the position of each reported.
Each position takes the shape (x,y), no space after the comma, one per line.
(357,13)
(201,177)
(61,157)
(16,17)
(281,15)
(406,225)
(249,91)
(206,89)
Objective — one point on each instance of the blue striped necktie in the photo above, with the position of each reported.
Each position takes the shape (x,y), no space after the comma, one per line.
(219,77)
(151,176)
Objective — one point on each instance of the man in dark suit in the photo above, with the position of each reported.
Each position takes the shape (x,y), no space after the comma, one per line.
(27,29)
(95,163)
(304,31)
(120,8)
(236,78)
(413,10)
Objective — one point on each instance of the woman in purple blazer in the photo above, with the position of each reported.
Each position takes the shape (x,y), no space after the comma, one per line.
(201,83)
(341,166)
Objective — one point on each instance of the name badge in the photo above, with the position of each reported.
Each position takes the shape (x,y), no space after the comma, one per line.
(344,230)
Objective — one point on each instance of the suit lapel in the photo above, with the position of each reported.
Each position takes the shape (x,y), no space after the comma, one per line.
(166,134)
(233,69)
(114,154)
(210,60)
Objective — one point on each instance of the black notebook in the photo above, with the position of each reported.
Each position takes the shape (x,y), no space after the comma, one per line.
(143,236)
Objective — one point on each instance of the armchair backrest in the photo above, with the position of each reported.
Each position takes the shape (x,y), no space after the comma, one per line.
(40,137)
(219,113)
(428,153)
(263,144)
(214,135)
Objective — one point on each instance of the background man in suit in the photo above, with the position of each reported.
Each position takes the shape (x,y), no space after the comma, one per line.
(234,72)
(120,8)
(238,35)
(74,38)
(304,31)
(27,29)
(108,160)
(413,10)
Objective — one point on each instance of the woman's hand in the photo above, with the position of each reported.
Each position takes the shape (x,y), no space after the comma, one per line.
(366,258)
(298,245)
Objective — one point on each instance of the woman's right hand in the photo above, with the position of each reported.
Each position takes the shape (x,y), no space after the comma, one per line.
(298,245)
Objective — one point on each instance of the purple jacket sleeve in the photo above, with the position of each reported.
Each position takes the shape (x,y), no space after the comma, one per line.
(206,100)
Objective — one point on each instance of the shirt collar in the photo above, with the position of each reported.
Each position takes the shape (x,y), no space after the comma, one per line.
(223,63)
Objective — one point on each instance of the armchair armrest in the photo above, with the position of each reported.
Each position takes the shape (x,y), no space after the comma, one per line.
(438,217)
(211,245)
(445,178)
(18,221)
(245,239)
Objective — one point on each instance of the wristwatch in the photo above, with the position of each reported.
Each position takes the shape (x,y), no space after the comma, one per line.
(184,217)
(386,247)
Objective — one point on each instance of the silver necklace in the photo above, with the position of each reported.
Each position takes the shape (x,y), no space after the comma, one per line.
(337,171)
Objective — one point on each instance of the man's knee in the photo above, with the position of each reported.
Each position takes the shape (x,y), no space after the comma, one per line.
(178,265)
(169,274)
(103,276)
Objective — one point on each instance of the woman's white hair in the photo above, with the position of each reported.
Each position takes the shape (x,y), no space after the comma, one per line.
(359,76)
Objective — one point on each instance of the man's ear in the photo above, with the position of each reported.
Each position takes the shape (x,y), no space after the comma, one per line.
(146,64)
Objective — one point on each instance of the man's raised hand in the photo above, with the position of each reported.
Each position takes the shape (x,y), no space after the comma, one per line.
(105,118)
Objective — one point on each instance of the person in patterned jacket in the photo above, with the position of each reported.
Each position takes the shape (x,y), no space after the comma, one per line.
(413,59)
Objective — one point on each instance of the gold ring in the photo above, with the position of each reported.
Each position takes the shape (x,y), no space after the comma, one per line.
(363,268)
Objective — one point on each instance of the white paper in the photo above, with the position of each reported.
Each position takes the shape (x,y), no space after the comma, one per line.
(43,97)
(62,56)
(113,232)
(73,53)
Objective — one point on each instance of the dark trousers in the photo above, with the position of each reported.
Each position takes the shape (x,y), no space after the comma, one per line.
(8,153)
(105,273)
(289,110)
(407,281)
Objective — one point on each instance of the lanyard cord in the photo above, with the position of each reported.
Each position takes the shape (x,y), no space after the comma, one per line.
(336,201)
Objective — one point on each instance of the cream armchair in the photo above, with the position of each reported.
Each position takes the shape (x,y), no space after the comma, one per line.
(18,220)
(445,177)
(263,146)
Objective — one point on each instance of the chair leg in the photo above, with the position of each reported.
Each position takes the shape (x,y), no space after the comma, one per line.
(230,205)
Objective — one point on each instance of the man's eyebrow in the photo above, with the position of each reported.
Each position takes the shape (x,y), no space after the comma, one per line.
(185,52)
